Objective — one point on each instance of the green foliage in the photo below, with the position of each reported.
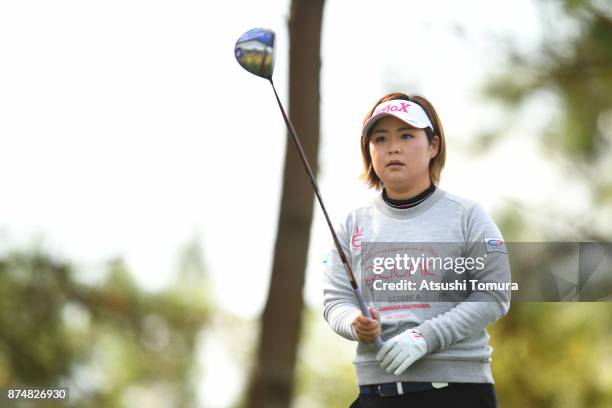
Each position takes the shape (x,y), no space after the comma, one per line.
(574,66)
(551,354)
(577,68)
(110,343)
(554,355)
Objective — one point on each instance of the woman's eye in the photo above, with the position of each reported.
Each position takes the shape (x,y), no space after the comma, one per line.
(379,139)
(407,136)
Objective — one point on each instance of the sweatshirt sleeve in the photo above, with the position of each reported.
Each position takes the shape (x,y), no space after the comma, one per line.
(481,308)
(339,303)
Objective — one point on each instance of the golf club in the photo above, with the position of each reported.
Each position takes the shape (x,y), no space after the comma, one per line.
(254,51)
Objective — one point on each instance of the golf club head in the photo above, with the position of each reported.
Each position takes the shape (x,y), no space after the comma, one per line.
(254,51)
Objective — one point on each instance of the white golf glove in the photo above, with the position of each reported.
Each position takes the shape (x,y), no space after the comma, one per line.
(399,352)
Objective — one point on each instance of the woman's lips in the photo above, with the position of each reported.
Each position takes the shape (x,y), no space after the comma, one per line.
(395,164)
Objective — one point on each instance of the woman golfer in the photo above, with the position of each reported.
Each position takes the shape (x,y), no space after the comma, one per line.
(435,351)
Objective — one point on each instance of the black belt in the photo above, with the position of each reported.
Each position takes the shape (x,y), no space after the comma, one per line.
(398,388)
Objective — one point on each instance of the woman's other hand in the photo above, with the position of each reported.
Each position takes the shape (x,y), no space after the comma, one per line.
(367,329)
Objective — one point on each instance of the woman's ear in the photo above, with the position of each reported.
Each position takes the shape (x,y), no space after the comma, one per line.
(435,146)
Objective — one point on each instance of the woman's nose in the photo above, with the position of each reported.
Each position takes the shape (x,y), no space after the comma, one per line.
(394,147)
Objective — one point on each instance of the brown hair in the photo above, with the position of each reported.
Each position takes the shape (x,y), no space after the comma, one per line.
(435,165)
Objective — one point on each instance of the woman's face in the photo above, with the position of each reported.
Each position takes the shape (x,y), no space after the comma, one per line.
(401,153)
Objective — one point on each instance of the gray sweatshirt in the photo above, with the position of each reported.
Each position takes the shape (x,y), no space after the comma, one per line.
(455,332)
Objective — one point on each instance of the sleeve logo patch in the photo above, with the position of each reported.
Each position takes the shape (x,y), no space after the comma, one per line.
(356,238)
(495,244)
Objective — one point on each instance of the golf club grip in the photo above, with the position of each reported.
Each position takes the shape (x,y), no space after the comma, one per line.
(364,310)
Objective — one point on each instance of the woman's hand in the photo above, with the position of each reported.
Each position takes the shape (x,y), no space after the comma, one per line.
(367,329)
(399,352)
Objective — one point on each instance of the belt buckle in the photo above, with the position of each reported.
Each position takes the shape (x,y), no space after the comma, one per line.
(380,391)
(398,391)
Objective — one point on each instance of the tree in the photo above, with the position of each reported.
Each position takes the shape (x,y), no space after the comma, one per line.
(273,373)
(112,344)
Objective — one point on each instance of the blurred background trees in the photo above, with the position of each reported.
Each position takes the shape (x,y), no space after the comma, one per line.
(558,355)
(111,343)
(571,72)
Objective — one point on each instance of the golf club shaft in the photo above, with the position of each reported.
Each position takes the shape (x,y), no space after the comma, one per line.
(347,267)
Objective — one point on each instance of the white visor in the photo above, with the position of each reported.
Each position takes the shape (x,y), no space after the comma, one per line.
(406,111)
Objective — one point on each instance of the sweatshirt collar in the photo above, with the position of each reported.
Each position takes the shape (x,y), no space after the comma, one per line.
(411,212)
(410,202)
